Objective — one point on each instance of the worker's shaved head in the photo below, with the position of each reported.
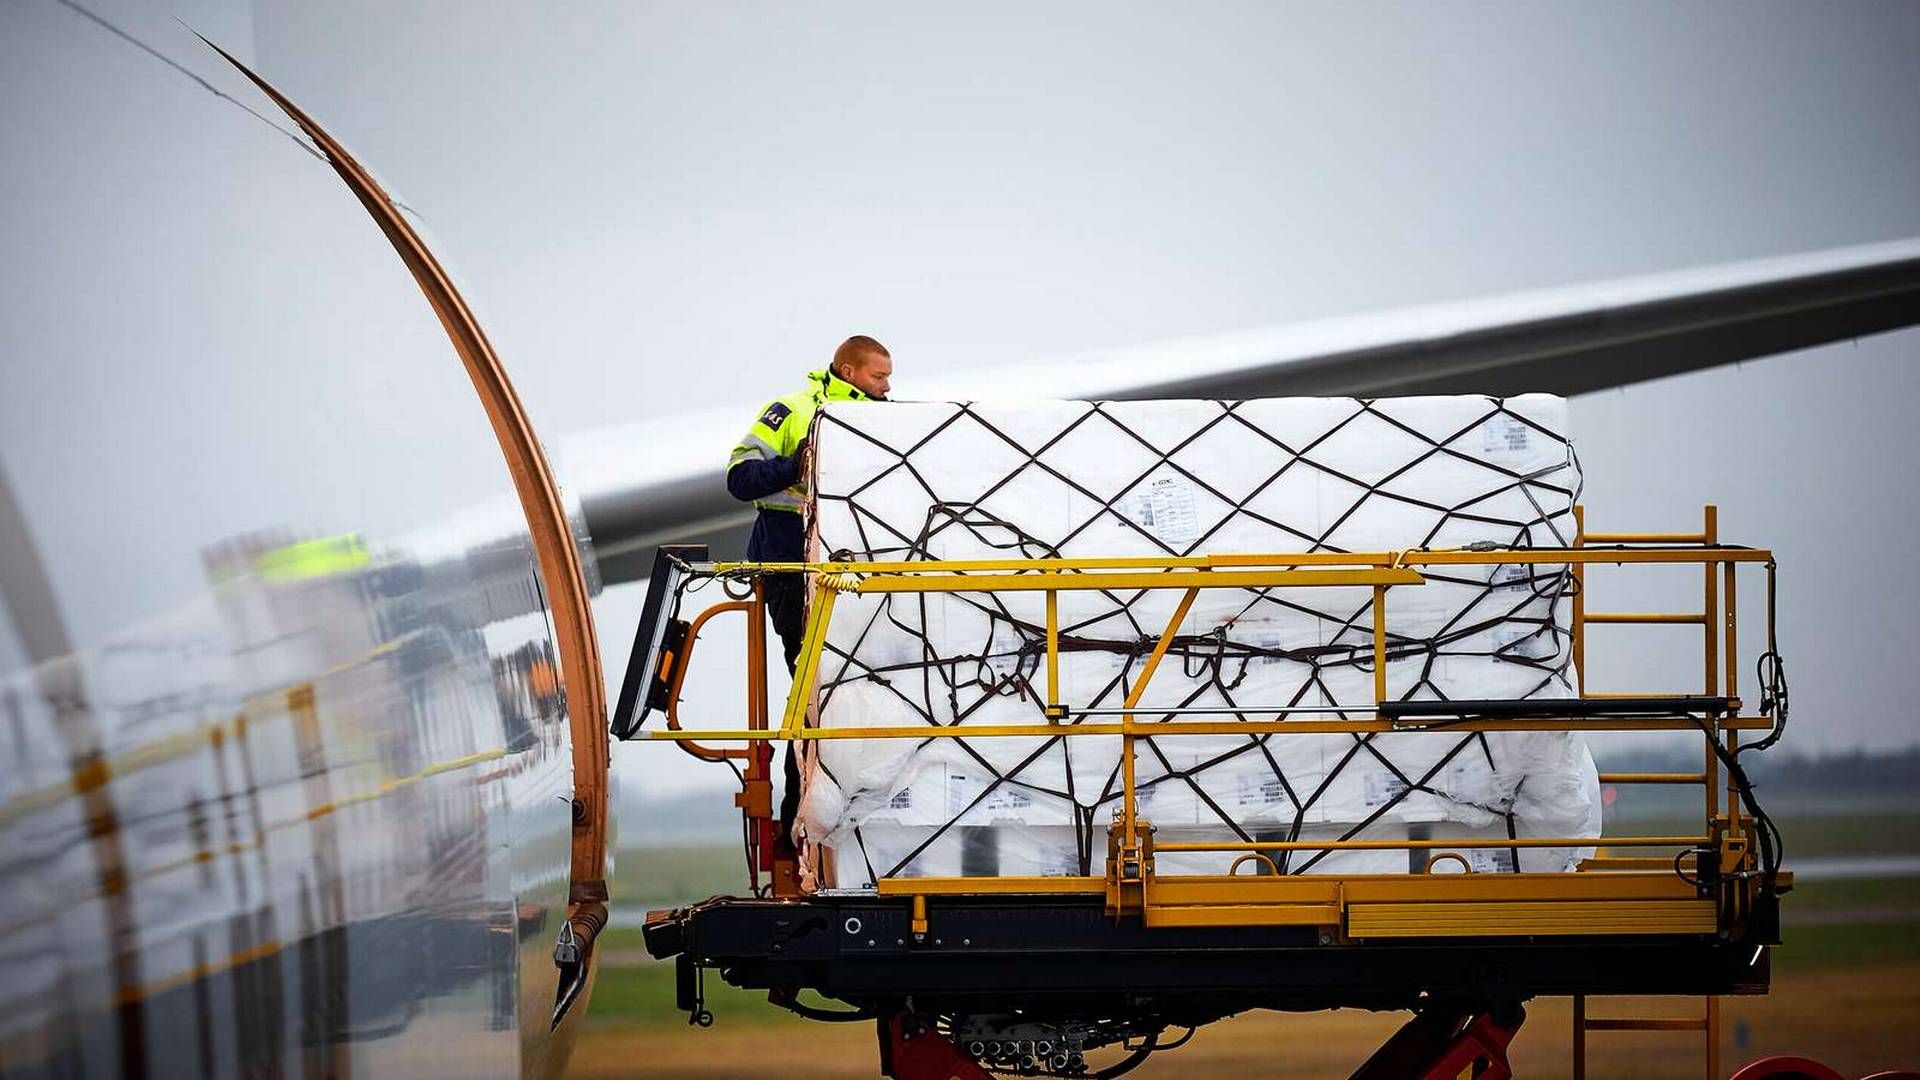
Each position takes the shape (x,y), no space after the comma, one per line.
(865,363)
(856,349)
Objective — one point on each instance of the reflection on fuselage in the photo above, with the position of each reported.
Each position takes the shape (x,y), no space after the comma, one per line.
(295,797)
(293,803)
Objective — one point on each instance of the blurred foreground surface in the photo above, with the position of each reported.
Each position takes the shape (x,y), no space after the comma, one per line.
(1846,989)
(1858,1022)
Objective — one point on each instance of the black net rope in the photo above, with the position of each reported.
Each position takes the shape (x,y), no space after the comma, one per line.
(1523,599)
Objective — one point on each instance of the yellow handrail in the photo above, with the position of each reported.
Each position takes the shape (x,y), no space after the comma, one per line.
(1377,571)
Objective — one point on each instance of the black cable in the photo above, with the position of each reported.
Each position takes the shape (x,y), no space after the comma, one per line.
(827,1016)
(1682,874)
(1181,1041)
(1771,670)
(1131,1061)
(1772,847)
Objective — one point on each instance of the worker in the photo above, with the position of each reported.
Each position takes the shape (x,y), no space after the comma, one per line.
(769,469)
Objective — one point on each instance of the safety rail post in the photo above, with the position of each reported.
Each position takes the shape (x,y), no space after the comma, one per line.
(1579,1037)
(1054,712)
(1740,831)
(1736,810)
(806,666)
(1132,868)
(1710,536)
(1379,647)
(756,797)
(1712,1026)
(1580,603)
(758,644)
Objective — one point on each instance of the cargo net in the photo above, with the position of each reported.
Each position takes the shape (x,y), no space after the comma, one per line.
(1077,479)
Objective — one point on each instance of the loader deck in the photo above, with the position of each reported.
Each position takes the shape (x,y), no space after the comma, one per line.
(1063,954)
(967,976)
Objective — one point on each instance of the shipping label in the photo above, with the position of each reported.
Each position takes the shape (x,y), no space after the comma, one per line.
(1505,435)
(1164,507)
(1383,788)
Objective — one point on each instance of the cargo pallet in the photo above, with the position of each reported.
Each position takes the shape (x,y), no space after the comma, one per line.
(1021,975)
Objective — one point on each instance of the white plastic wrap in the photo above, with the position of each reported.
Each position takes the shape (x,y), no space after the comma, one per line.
(1078,479)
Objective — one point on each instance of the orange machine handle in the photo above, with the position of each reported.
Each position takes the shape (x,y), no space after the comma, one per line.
(755,673)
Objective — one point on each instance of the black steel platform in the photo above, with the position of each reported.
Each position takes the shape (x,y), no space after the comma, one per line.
(1066,955)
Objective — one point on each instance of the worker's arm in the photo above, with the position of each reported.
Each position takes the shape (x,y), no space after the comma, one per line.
(757,478)
(757,468)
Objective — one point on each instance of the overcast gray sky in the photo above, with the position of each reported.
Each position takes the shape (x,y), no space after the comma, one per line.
(660,207)
(660,204)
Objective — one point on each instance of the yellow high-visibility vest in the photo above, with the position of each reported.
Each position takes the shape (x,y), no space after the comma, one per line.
(780,427)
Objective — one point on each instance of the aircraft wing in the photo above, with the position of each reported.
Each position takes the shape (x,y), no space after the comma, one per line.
(640,488)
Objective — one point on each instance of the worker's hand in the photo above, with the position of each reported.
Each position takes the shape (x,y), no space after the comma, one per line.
(803,458)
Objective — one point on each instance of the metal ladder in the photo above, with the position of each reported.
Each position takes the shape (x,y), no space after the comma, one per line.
(1708,1025)
(1708,618)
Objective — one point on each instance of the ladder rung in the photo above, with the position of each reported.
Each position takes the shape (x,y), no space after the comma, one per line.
(1643,538)
(1647,1023)
(1626,862)
(1653,778)
(1645,617)
(1617,695)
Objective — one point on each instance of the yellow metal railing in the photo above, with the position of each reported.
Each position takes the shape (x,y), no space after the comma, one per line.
(1670,902)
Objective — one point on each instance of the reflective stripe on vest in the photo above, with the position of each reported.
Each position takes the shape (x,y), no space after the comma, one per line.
(752,448)
(782,500)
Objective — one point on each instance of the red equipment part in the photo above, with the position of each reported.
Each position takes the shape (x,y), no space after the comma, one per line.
(1789,1067)
(1443,1040)
(1483,1046)
(1785,1068)
(911,1048)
